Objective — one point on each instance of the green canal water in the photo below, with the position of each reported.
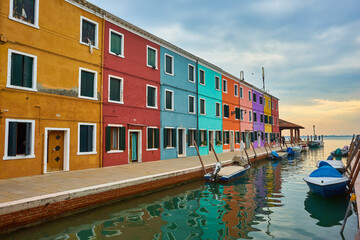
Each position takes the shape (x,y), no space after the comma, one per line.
(270,201)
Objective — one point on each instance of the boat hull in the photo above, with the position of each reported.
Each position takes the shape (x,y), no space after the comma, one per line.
(327,188)
(230,177)
(344,153)
(315,144)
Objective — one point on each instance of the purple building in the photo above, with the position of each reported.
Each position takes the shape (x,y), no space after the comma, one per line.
(258,118)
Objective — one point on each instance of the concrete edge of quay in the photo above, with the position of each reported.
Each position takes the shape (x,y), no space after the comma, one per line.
(31,211)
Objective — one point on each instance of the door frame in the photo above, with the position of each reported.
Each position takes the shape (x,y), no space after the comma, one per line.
(66,131)
(139,145)
(183,142)
(232,141)
(213,140)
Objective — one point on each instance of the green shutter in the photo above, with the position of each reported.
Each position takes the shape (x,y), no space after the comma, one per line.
(173,137)
(87,84)
(28,139)
(168,100)
(151,57)
(16,69)
(28,72)
(122,137)
(206,137)
(12,139)
(165,137)
(116,45)
(151,97)
(107,138)
(168,67)
(90,143)
(156,138)
(189,137)
(150,133)
(83,138)
(115,85)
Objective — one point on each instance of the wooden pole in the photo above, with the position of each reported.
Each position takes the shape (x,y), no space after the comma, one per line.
(281,147)
(212,148)
(198,153)
(352,177)
(286,144)
(352,156)
(252,145)
(351,148)
(265,148)
(247,155)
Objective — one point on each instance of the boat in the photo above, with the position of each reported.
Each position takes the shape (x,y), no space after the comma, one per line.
(338,165)
(340,152)
(296,149)
(304,148)
(315,144)
(290,151)
(277,155)
(326,181)
(226,174)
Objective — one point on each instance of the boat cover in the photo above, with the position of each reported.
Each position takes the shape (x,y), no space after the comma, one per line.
(338,151)
(325,170)
(275,153)
(330,157)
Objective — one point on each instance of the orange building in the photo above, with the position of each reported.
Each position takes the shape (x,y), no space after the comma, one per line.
(231,113)
(50,87)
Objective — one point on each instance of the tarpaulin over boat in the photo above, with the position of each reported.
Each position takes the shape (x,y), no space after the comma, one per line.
(325,170)
(338,151)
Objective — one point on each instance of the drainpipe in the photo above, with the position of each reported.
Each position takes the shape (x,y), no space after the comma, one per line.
(197,101)
(102,94)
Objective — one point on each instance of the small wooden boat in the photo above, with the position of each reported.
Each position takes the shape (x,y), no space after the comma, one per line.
(226,174)
(316,144)
(338,165)
(340,152)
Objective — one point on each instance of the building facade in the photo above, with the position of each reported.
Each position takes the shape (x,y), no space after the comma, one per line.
(258,118)
(268,119)
(246,125)
(275,115)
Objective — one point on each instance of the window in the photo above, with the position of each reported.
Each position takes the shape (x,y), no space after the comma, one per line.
(269,104)
(249,95)
(261,100)
(151,96)
(243,136)
(89,32)
(276,106)
(237,137)
(242,114)
(202,106)
(19,139)
(252,136)
(241,92)
(203,138)
(25,11)
(87,138)
(22,70)
(226,111)
(224,86)
(115,89)
(169,100)
(249,116)
(115,138)
(271,120)
(217,83)
(272,105)
(87,84)
(169,64)
(255,117)
(236,93)
(266,118)
(217,109)
(261,118)
(191,73)
(237,113)
(218,137)
(152,138)
(202,77)
(226,137)
(151,56)
(191,104)
(116,44)
(254,97)
(169,137)
(191,137)
(255,135)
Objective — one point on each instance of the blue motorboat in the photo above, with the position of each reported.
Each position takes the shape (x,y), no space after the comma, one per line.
(226,174)
(326,181)
(277,155)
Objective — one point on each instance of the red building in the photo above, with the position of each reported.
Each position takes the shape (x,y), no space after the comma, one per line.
(275,115)
(131,82)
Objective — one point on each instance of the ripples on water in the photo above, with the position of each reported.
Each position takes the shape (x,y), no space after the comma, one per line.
(270,201)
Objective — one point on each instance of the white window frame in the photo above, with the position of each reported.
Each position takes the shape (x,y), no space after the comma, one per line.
(170,139)
(200,70)
(6,145)
(113,151)
(94,139)
(224,142)
(190,65)
(36,15)
(250,116)
(96,32)
(95,83)
(194,105)
(217,78)
(241,92)
(34,76)
(121,90)
(224,84)
(156,57)
(206,134)
(204,106)
(156,95)
(151,149)
(122,55)
(192,144)
(172,100)
(218,106)
(250,96)
(172,65)
(236,90)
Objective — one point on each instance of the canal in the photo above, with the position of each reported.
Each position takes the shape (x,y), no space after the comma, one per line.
(270,201)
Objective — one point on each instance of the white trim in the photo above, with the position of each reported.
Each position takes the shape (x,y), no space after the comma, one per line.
(139,145)
(6,141)
(253,119)
(121,89)
(96,32)
(172,65)
(172,100)
(34,76)
(190,65)
(36,15)
(156,56)
(194,105)
(236,90)
(201,70)
(95,84)
(224,88)
(156,102)
(183,142)
(206,137)
(151,149)
(204,106)
(214,138)
(66,165)
(122,55)
(94,139)
(218,104)
(217,78)
(169,139)
(224,142)
(118,126)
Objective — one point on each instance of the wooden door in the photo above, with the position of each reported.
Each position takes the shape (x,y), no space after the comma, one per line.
(55,158)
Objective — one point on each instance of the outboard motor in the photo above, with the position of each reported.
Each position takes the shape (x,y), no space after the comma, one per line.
(215,171)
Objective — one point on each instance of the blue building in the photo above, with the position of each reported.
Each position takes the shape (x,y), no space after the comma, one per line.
(178,111)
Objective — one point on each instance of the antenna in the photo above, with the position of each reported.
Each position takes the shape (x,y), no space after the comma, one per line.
(263,75)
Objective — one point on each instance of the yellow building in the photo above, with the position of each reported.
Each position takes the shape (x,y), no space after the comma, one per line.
(267,117)
(50,87)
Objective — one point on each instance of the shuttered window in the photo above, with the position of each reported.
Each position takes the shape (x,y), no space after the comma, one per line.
(255,135)
(202,77)
(218,137)
(22,67)
(115,89)
(115,138)
(151,97)
(217,83)
(191,73)
(151,57)
(266,118)
(237,113)
(202,106)
(87,84)
(191,104)
(152,138)
(169,105)
(250,115)
(20,138)
(217,109)
(169,64)
(236,89)
(254,97)
(241,92)
(255,117)
(224,86)
(252,137)
(86,138)
(226,137)
(116,43)
(191,137)
(242,114)
(261,118)
(226,111)
(169,137)
(89,32)
(203,138)
(243,137)
(24,10)
(237,137)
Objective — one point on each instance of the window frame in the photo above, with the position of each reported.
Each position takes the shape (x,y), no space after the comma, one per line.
(170,139)
(34,70)
(217,79)
(194,105)
(192,145)
(156,95)
(250,116)
(96,46)
(254,117)
(201,70)
(224,85)
(200,99)
(236,90)
(121,90)
(239,112)
(94,139)
(254,97)
(147,57)
(172,65)
(250,97)
(6,142)
(113,126)
(122,55)
(95,83)
(241,92)
(147,142)
(205,135)
(36,15)
(172,100)
(190,65)
(225,111)
(217,106)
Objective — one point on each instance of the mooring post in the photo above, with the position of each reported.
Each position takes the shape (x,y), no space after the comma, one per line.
(252,145)
(353,177)
(197,150)
(265,148)
(247,155)
(352,155)
(212,148)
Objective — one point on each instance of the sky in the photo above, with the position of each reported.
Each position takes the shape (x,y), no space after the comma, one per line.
(310,49)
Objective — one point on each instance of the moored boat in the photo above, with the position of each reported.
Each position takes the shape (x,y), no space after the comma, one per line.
(340,152)
(338,165)
(277,155)
(316,144)
(304,148)
(296,149)
(226,174)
